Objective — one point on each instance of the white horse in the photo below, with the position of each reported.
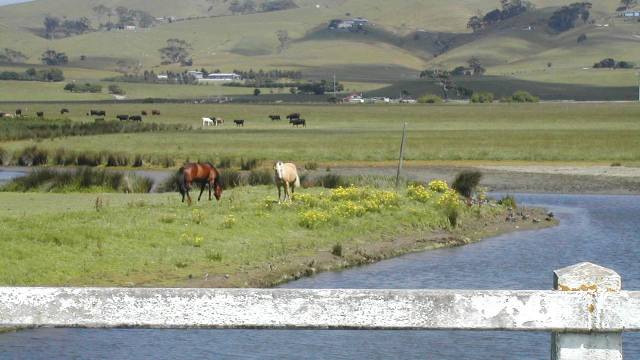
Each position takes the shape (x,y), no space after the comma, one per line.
(207,122)
(286,175)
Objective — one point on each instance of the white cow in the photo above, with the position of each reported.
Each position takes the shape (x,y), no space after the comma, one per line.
(207,122)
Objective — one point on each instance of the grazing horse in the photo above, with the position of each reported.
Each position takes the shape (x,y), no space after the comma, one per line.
(207,122)
(137,118)
(239,123)
(204,174)
(18,112)
(155,112)
(274,117)
(293,116)
(143,113)
(64,111)
(122,117)
(286,175)
(40,114)
(218,121)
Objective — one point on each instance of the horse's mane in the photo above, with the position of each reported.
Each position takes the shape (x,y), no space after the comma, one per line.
(217,180)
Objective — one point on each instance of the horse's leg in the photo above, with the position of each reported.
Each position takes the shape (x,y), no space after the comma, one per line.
(278,185)
(287,194)
(210,192)
(202,186)
(187,187)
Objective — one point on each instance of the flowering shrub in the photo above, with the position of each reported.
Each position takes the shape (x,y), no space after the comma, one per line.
(229,221)
(307,200)
(439,186)
(349,209)
(197,216)
(449,199)
(311,219)
(419,193)
(346,193)
(191,239)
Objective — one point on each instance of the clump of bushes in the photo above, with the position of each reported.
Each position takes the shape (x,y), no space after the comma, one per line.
(521,97)
(248,164)
(429,99)
(3,156)
(332,181)
(83,88)
(32,156)
(466,182)
(311,166)
(508,201)
(260,177)
(230,178)
(482,98)
(610,63)
(225,163)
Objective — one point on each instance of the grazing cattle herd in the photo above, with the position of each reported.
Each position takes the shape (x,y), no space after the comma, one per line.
(295,119)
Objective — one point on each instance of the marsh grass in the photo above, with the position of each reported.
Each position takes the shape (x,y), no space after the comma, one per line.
(83,179)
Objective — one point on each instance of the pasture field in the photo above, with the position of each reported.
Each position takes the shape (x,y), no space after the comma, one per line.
(246,239)
(601,133)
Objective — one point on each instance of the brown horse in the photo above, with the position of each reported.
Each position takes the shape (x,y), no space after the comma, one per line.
(203,174)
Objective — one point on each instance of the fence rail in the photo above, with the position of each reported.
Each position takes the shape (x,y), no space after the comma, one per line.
(586,314)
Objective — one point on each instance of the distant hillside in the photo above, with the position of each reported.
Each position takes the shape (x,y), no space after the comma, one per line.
(402,36)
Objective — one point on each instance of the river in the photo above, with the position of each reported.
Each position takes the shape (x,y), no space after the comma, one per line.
(601,229)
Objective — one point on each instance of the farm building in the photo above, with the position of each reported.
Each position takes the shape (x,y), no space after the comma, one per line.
(630,14)
(349,24)
(220,77)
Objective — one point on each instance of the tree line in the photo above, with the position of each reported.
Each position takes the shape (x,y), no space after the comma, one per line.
(31,74)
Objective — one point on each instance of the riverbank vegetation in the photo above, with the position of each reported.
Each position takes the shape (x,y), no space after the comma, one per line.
(247,239)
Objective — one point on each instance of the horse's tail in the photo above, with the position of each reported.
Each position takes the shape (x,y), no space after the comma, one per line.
(297,183)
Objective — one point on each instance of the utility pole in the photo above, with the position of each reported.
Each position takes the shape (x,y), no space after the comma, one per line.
(638,73)
(334,86)
(404,138)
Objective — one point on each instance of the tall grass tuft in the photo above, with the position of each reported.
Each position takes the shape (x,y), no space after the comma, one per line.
(32,156)
(225,163)
(3,156)
(230,178)
(248,164)
(170,184)
(332,181)
(466,182)
(260,177)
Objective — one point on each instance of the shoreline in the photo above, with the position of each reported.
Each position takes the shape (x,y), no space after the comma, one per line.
(470,231)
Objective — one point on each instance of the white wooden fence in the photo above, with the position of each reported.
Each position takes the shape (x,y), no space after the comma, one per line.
(586,313)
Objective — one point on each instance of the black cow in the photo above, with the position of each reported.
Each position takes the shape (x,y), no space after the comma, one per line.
(18,112)
(155,112)
(143,113)
(98,113)
(122,117)
(274,117)
(137,118)
(64,111)
(40,114)
(239,122)
(293,116)
(298,122)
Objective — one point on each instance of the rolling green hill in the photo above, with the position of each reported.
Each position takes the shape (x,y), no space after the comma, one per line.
(405,37)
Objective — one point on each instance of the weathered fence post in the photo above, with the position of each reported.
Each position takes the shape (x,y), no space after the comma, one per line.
(589,345)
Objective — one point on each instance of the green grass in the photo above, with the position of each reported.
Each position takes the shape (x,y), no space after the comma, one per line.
(347,133)
(156,240)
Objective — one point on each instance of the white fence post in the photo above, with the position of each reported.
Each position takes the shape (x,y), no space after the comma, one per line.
(596,280)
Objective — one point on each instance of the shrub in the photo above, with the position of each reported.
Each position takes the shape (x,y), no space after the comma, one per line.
(260,177)
(336,250)
(117,159)
(248,164)
(312,165)
(88,159)
(312,219)
(419,193)
(332,181)
(3,156)
(508,201)
(466,182)
(32,156)
(439,186)
(137,161)
(213,256)
(450,203)
(230,178)
(137,184)
(430,99)
(229,221)
(116,90)
(225,163)
(522,97)
(482,98)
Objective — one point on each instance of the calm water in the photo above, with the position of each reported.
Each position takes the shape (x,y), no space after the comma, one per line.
(6,175)
(601,229)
